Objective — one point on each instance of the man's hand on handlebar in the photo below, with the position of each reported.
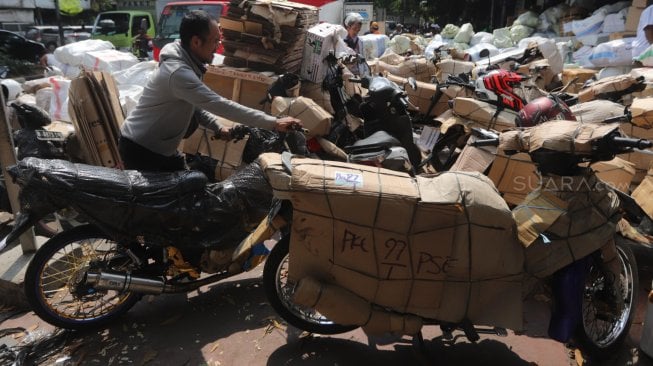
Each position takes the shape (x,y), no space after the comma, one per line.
(287,124)
(224,133)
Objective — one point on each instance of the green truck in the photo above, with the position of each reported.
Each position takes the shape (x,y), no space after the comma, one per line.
(121,26)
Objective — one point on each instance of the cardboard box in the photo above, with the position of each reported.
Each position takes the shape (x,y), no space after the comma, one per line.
(642,160)
(244,86)
(474,159)
(579,214)
(632,19)
(618,173)
(621,35)
(581,75)
(229,154)
(413,245)
(448,67)
(643,194)
(320,40)
(313,117)
(515,176)
(640,3)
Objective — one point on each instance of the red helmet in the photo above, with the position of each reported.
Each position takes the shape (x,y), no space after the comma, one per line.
(543,109)
(497,86)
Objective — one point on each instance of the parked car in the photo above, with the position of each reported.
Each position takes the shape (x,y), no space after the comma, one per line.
(49,34)
(16,27)
(19,47)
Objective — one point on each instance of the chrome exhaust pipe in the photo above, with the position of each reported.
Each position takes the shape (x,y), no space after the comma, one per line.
(125,282)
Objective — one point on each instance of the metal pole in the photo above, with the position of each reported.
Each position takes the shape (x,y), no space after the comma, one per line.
(57,10)
(7,158)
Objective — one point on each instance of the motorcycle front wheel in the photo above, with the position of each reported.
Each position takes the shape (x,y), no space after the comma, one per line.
(54,284)
(603,331)
(279,292)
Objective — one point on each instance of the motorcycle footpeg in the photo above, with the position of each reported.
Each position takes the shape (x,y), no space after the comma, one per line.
(501,332)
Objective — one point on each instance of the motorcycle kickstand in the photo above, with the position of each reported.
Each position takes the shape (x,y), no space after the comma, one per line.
(418,342)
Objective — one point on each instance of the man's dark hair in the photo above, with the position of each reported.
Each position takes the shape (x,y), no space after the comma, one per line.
(195,23)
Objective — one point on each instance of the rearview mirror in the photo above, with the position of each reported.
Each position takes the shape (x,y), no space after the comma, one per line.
(412,83)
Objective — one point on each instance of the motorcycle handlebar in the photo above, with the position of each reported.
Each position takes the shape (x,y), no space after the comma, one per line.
(485,142)
(626,142)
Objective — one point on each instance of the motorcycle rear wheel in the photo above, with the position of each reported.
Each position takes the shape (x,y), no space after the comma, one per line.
(597,337)
(52,285)
(279,292)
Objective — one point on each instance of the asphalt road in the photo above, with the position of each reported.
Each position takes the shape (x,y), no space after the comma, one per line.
(231,323)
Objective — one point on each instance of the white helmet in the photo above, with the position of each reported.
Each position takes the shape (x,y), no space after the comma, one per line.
(11,89)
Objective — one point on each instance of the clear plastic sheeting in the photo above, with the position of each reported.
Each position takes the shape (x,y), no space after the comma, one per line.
(178,208)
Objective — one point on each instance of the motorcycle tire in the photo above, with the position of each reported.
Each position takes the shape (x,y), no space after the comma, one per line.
(51,280)
(599,337)
(279,295)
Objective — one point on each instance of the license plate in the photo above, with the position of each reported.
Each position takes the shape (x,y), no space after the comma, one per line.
(49,135)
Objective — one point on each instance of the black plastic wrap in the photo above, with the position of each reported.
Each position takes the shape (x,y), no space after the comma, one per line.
(178,209)
(28,145)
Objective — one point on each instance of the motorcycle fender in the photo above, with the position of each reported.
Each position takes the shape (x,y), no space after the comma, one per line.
(22,223)
(264,231)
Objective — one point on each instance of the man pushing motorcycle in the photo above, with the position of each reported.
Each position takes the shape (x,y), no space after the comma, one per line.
(176,94)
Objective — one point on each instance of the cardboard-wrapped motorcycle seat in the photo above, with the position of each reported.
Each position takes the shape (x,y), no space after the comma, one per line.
(596,111)
(419,68)
(565,219)
(612,86)
(450,66)
(421,96)
(561,136)
(642,112)
(484,113)
(441,247)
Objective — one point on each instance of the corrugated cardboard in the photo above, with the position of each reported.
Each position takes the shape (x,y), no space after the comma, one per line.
(313,117)
(421,69)
(448,67)
(568,136)
(474,159)
(421,96)
(320,40)
(515,176)
(643,194)
(586,214)
(618,173)
(581,75)
(606,85)
(439,247)
(642,160)
(596,111)
(319,96)
(642,112)
(229,154)
(640,3)
(484,113)
(244,86)
(632,19)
